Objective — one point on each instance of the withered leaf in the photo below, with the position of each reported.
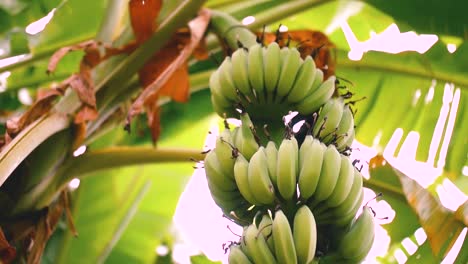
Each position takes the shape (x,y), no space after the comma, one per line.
(40,107)
(166,73)
(45,227)
(143,14)
(59,54)
(7,252)
(441,226)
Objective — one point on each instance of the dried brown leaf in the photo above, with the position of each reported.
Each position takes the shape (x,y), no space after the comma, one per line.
(7,252)
(143,14)
(85,113)
(166,73)
(201,51)
(45,227)
(441,226)
(59,54)
(40,107)
(462,213)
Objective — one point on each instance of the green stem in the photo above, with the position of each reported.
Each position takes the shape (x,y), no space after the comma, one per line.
(27,140)
(112,157)
(39,81)
(232,30)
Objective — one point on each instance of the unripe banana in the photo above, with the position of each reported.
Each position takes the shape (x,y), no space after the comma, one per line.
(284,241)
(347,217)
(272,67)
(286,168)
(315,100)
(271,153)
(240,74)
(329,119)
(344,183)
(328,174)
(241,168)
(305,235)
(318,80)
(345,128)
(237,256)
(257,246)
(217,90)
(304,80)
(243,243)
(255,70)
(311,154)
(361,231)
(343,208)
(266,228)
(245,140)
(220,110)
(291,62)
(225,80)
(259,180)
(224,152)
(215,174)
(296,155)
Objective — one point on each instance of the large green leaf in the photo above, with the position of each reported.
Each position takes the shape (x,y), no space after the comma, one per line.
(73,21)
(433,17)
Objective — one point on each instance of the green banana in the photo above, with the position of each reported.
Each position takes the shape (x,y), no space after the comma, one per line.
(240,74)
(245,140)
(228,89)
(344,183)
(312,155)
(215,174)
(291,62)
(257,246)
(271,67)
(305,235)
(286,168)
(241,168)
(237,256)
(318,80)
(363,231)
(271,153)
(304,80)
(329,119)
(266,228)
(259,180)
(347,217)
(283,238)
(255,70)
(314,101)
(217,91)
(345,128)
(224,152)
(328,174)
(343,208)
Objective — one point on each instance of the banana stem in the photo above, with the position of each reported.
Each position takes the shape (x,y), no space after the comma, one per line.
(231,30)
(108,158)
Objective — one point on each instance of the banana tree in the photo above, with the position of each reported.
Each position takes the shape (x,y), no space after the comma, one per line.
(72,98)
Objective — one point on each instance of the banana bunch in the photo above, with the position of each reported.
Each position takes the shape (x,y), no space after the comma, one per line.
(335,124)
(277,241)
(269,81)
